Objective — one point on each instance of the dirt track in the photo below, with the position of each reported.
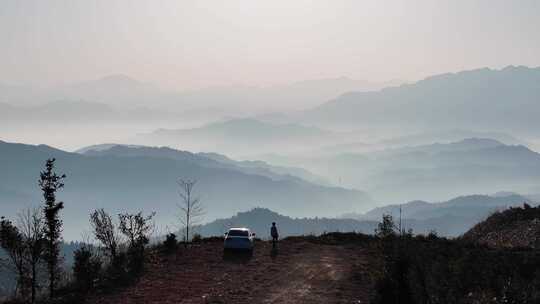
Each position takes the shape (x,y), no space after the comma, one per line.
(299,272)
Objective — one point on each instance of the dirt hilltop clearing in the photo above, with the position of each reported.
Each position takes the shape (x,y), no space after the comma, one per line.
(301,271)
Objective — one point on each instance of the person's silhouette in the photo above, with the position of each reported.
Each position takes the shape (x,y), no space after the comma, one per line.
(274,234)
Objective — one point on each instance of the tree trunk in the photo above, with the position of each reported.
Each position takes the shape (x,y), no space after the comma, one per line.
(51,269)
(51,282)
(187,230)
(33,281)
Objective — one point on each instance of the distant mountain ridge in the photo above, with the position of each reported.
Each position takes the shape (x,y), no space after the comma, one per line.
(249,127)
(489,99)
(464,145)
(113,90)
(451,218)
(77,111)
(440,138)
(472,165)
(149,183)
(449,136)
(237,135)
(470,206)
(259,221)
(124,92)
(207,159)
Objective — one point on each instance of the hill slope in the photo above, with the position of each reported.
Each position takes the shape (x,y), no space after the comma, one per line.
(469,206)
(259,220)
(513,228)
(129,183)
(297,272)
(451,218)
(213,160)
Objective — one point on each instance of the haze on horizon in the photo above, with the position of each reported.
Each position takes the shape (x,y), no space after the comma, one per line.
(194,44)
(276,104)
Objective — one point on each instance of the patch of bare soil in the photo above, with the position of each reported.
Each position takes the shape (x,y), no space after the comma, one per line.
(297,272)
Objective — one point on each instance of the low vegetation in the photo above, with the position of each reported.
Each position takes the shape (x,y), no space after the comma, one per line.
(31,249)
(497,261)
(511,228)
(431,269)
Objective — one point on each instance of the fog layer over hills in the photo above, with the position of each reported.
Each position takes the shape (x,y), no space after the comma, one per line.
(118,108)
(315,148)
(483,99)
(449,218)
(433,172)
(131,179)
(125,93)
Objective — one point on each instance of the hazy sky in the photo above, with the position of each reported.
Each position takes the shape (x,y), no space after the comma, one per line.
(187,44)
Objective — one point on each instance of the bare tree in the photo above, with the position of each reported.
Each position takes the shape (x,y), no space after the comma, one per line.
(32,227)
(190,207)
(136,227)
(105,232)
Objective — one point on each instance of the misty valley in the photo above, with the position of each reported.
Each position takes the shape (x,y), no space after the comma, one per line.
(314,171)
(273,152)
(298,163)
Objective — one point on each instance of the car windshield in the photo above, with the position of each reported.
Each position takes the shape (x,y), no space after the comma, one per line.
(238,233)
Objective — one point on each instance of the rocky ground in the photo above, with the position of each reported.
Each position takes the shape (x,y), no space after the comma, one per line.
(299,271)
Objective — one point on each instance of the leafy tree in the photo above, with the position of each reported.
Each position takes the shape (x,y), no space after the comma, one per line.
(190,207)
(50,183)
(86,267)
(136,227)
(386,228)
(32,227)
(11,240)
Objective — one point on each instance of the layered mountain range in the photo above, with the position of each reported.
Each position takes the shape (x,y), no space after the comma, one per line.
(142,178)
(433,172)
(484,99)
(451,218)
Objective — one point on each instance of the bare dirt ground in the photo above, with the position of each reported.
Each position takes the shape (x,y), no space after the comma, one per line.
(298,272)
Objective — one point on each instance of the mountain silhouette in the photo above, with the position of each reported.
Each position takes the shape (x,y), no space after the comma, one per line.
(241,136)
(259,221)
(148,182)
(504,100)
(434,172)
(449,218)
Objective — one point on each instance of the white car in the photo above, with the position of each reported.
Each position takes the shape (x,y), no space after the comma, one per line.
(239,238)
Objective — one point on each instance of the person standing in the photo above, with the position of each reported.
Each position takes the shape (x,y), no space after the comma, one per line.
(274,234)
